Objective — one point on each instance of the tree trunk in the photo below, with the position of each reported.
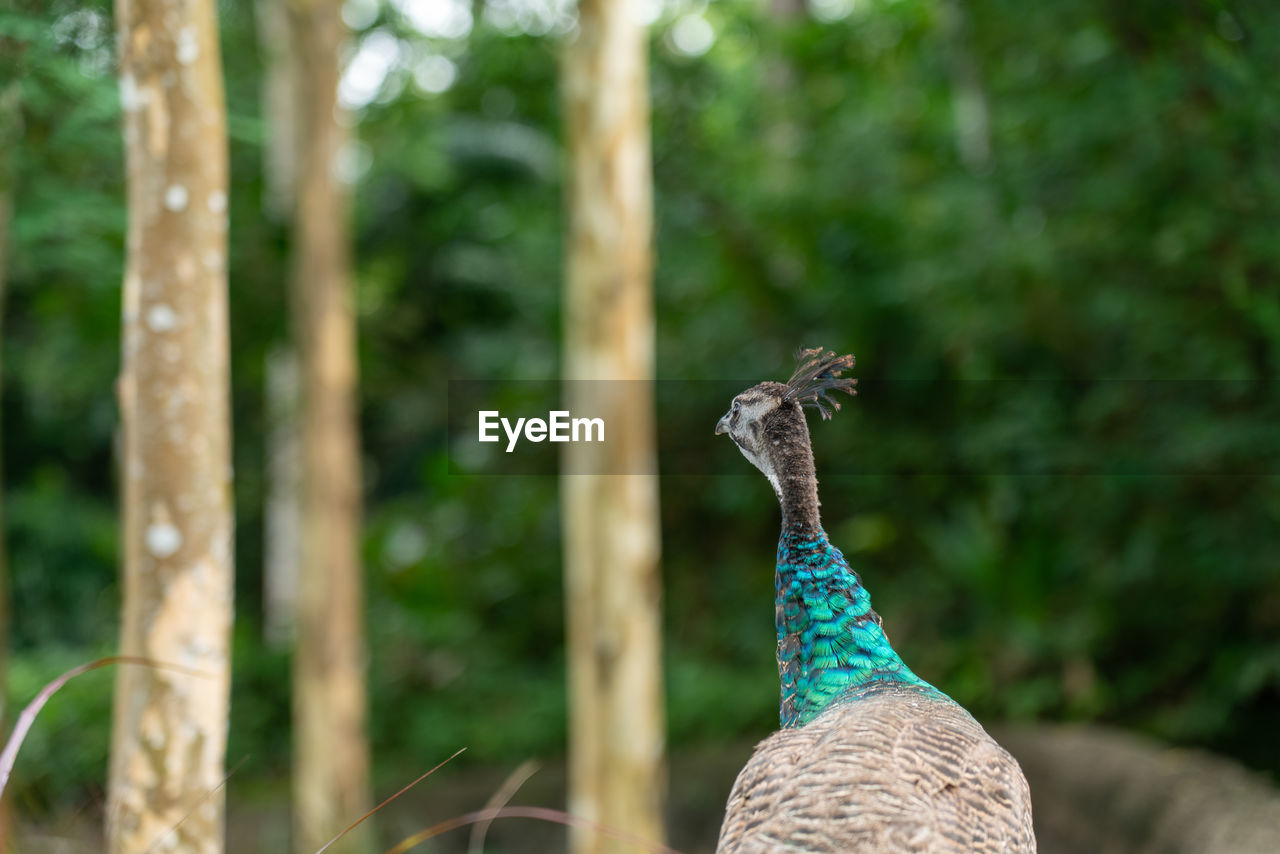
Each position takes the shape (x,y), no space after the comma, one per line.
(331,754)
(170,728)
(610,496)
(968,99)
(280,103)
(281,110)
(282,526)
(1099,791)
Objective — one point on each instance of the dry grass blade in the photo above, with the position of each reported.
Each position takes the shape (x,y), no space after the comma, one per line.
(500,799)
(356,823)
(539,813)
(206,796)
(28,715)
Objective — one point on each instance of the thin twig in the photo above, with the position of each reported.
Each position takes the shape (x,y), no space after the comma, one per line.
(355,823)
(28,715)
(500,799)
(539,813)
(209,794)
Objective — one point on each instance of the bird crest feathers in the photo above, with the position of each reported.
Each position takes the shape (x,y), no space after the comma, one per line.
(818,372)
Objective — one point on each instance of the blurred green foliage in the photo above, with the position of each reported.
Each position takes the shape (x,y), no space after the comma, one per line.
(1054,546)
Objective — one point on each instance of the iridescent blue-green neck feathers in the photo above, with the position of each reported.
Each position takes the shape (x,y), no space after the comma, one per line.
(830,642)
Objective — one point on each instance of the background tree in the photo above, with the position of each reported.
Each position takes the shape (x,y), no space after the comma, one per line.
(968,99)
(282,517)
(331,761)
(170,728)
(282,520)
(617,731)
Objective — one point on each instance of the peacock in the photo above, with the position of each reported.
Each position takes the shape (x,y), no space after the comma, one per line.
(869,757)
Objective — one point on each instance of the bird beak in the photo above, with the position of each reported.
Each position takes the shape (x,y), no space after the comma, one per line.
(722,426)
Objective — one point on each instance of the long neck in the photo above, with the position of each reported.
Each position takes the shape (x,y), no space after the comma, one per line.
(794,479)
(829,639)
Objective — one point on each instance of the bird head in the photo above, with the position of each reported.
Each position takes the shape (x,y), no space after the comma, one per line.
(767,421)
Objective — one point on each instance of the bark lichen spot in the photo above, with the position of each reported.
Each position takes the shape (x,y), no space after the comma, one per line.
(131,96)
(161,318)
(163,539)
(175,197)
(188,47)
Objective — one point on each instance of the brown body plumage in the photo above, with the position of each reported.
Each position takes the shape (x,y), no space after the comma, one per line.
(894,771)
(886,763)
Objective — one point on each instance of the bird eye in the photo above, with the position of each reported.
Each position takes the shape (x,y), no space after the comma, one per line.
(737,407)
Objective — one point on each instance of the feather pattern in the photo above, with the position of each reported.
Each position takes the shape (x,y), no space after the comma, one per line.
(869,757)
(829,638)
(891,767)
(818,372)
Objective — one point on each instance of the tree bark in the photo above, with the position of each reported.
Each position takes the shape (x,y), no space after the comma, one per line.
(331,753)
(170,728)
(1099,791)
(280,103)
(282,527)
(610,496)
(281,110)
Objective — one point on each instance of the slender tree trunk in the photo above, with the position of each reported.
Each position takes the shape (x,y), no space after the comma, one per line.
(331,754)
(283,523)
(281,110)
(612,580)
(784,138)
(170,728)
(968,98)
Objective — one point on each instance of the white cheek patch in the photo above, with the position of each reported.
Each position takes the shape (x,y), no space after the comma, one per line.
(763,464)
(750,443)
(773,481)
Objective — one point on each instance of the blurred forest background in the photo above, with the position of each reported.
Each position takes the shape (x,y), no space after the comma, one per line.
(1048,232)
